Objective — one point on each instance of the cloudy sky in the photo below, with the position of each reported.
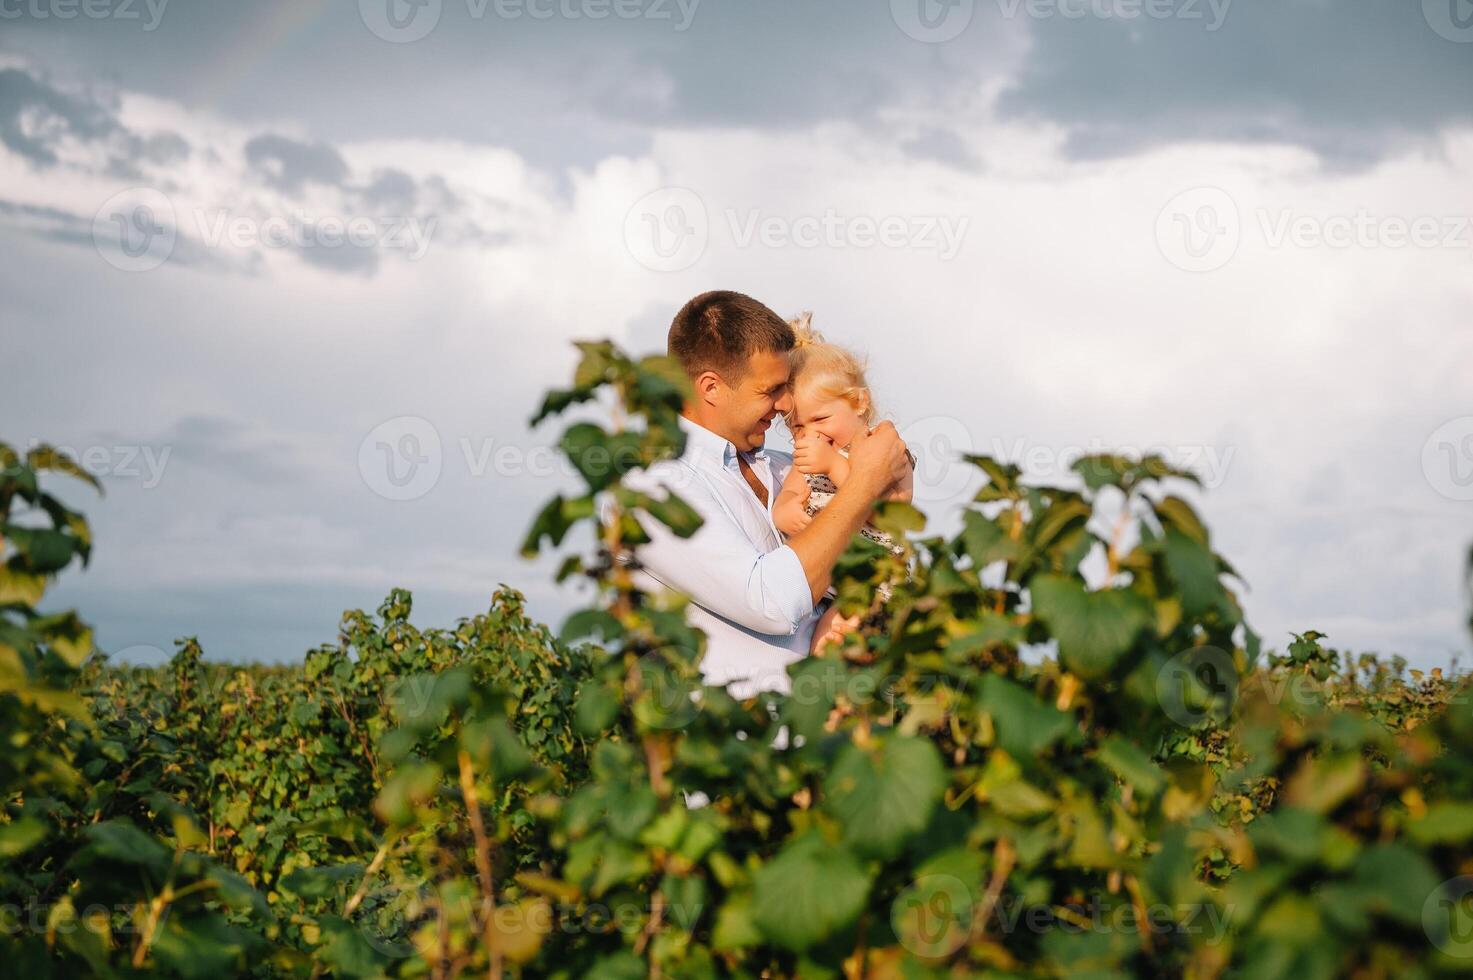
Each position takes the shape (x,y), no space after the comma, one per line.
(291,275)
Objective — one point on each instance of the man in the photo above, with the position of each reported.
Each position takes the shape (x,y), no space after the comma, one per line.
(752,594)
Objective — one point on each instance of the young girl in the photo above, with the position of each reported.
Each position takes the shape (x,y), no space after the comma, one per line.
(831,405)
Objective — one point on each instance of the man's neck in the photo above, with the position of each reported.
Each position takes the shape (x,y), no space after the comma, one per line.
(690,416)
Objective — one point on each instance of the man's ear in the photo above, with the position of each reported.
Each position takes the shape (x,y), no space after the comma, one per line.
(707,386)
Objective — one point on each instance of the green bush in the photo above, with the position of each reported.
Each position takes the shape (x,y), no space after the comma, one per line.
(1154,796)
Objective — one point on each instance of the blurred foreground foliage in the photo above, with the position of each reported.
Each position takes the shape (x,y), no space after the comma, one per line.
(1157,796)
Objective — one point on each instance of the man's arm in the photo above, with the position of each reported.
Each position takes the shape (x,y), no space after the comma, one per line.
(875,462)
(722,571)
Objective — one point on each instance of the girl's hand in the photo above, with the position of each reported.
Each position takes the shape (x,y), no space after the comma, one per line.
(793,519)
(813,453)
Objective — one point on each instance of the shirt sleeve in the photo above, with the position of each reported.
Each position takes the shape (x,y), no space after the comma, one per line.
(718,567)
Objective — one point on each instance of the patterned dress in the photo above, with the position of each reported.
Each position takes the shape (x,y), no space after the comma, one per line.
(820,491)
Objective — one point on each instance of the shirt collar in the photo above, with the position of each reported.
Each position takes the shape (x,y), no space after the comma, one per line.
(702,442)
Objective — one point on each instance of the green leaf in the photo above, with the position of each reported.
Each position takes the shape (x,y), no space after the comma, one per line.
(324,882)
(985,541)
(1131,763)
(43,550)
(586,623)
(807,893)
(1194,568)
(736,925)
(1025,726)
(1448,822)
(25,588)
(20,836)
(49,458)
(118,840)
(681,518)
(1094,629)
(883,794)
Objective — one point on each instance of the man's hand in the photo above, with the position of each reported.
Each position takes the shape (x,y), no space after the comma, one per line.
(877,460)
(813,453)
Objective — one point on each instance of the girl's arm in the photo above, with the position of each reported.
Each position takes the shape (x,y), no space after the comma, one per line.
(839,469)
(789,511)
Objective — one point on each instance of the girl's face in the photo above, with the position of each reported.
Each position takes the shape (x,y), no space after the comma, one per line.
(831,417)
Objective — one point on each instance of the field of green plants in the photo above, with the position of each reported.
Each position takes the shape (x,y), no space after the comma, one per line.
(1158,796)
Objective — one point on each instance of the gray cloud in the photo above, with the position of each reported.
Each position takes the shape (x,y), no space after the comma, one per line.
(68,228)
(227,446)
(289,164)
(1349,79)
(343,257)
(34,117)
(1346,78)
(390,188)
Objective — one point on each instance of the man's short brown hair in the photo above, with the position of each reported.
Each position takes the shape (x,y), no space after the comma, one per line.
(719,330)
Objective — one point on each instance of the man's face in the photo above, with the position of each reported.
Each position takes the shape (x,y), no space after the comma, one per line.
(750,404)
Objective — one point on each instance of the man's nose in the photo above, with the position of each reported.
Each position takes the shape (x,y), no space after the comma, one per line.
(784,403)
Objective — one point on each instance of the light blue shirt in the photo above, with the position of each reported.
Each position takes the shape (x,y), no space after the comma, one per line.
(748,591)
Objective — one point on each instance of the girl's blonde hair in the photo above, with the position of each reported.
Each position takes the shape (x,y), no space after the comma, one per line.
(832,370)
